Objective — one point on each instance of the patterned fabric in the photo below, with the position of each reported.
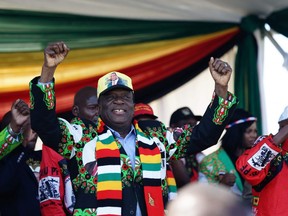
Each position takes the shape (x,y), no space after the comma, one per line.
(31,97)
(55,187)
(225,159)
(159,131)
(171,182)
(224,105)
(77,140)
(181,143)
(241,121)
(265,167)
(192,167)
(211,167)
(106,145)
(218,163)
(49,96)
(8,143)
(109,186)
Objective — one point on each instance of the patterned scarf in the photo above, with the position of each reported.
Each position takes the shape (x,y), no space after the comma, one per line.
(230,167)
(109,186)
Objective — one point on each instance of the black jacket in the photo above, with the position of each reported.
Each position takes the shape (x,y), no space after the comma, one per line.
(18,184)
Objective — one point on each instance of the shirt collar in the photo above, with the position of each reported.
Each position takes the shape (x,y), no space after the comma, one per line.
(117,135)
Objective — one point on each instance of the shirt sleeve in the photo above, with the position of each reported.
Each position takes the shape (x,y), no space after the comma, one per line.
(208,131)
(254,164)
(51,191)
(43,115)
(211,167)
(8,143)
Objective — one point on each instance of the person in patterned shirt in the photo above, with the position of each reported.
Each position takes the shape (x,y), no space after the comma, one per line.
(131,166)
(219,166)
(264,166)
(19,167)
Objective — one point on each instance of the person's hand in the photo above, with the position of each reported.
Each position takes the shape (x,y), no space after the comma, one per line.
(221,73)
(54,54)
(227,179)
(281,136)
(20,115)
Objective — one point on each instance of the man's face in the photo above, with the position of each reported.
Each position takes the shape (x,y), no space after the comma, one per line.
(90,109)
(113,76)
(117,108)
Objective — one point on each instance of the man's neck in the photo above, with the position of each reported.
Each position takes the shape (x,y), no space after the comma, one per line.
(123,131)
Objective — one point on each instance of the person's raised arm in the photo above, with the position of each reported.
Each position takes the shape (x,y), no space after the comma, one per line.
(54,54)
(281,136)
(20,113)
(221,73)
(11,136)
(217,115)
(43,100)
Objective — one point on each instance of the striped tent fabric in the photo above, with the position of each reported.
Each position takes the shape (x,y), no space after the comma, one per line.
(160,53)
(159,56)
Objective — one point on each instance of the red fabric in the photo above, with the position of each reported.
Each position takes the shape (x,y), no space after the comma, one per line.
(153,199)
(143,109)
(107,194)
(285,146)
(169,173)
(149,152)
(142,75)
(245,169)
(49,168)
(195,175)
(106,152)
(158,69)
(272,199)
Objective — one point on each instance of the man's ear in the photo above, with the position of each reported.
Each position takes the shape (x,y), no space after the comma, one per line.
(75,110)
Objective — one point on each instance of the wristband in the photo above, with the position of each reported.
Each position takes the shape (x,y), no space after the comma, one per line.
(12,133)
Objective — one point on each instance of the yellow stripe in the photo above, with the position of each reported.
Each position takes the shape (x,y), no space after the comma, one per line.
(171,181)
(151,158)
(85,63)
(111,146)
(109,185)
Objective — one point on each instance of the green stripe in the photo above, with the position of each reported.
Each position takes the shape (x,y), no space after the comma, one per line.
(172,188)
(108,177)
(151,167)
(108,140)
(11,144)
(32,31)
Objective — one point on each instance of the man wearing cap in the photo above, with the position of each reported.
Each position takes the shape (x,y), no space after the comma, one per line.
(130,167)
(143,111)
(265,167)
(147,121)
(183,116)
(186,169)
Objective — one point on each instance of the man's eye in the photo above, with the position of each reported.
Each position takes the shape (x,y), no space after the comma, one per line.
(127,96)
(120,97)
(109,97)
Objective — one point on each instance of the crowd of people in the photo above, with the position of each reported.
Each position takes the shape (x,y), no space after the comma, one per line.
(115,157)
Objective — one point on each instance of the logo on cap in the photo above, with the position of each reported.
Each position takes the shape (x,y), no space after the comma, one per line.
(141,109)
(113,80)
